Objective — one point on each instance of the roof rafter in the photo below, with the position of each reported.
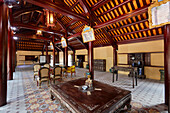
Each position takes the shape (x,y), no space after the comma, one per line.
(26,11)
(32,37)
(58,7)
(28,26)
(123,17)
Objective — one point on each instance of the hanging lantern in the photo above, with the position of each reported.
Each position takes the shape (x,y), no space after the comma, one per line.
(39,32)
(50,18)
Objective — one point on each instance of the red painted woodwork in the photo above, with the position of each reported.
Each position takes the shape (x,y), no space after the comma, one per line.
(90,56)
(33,37)
(26,11)
(13,55)
(138,22)
(122,17)
(99,4)
(66,52)
(61,24)
(43,50)
(10,71)
(74,57)
(3,52)
(47,56)
(144,39)
(167,63)
(59,8)
(53,52)
(115,56)
(29,26)
(57,57)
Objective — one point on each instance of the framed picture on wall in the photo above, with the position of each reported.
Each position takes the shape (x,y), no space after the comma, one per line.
(63,42)
(88,34)
(159,13)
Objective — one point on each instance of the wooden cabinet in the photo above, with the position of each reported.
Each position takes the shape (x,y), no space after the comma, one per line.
(99,64)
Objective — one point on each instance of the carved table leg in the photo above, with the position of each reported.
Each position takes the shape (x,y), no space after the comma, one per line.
(113,75)
(136,78)
(133,79)
(52,97)
(117,75)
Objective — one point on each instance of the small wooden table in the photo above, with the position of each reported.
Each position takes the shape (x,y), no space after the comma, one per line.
(132,70)
(108,99)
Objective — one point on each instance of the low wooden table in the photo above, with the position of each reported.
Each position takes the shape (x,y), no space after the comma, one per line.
(132,70)
(108,99)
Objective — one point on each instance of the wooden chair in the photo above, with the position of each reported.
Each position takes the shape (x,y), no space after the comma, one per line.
(36,70)
(47,65)
(43,76)
(73,70)
(57,74)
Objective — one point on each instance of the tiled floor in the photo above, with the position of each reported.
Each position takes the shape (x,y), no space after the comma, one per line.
(147,93)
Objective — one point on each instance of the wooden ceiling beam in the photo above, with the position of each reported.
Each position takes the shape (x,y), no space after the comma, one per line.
(135,32)
(81,42)
(99,4)
(60,24)
(26,11)
(141,21)
(122,17)
(40,18)
(32,37)
(58,7)
(85,6)
(144,39)
(29,49)
(123,3)
(28,26)
(71,23)
(30,41)
(77,26)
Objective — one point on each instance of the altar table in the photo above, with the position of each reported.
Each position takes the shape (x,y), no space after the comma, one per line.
(108,99)
(133,71)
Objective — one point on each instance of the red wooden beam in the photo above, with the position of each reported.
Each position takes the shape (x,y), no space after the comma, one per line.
(99,4)
(61,24)
(122,17)
(26,11)
(74,35)
(115,7)
(85,6)
(134,32)
(32,41)
(71,23)
(32,37)
(58,7)
(142,21)
(28,26)
(144,39)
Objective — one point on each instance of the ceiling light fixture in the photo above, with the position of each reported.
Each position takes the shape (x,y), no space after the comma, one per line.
(49,18)
(15,38)
(10,6)
(13,28)
(39,32)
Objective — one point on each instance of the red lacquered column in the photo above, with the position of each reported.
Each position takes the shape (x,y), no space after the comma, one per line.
(90,56)
(3,52)
(167,62)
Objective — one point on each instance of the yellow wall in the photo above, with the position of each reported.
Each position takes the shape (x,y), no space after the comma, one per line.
(157,59)
(21,56)
(99,53)
(105,53)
